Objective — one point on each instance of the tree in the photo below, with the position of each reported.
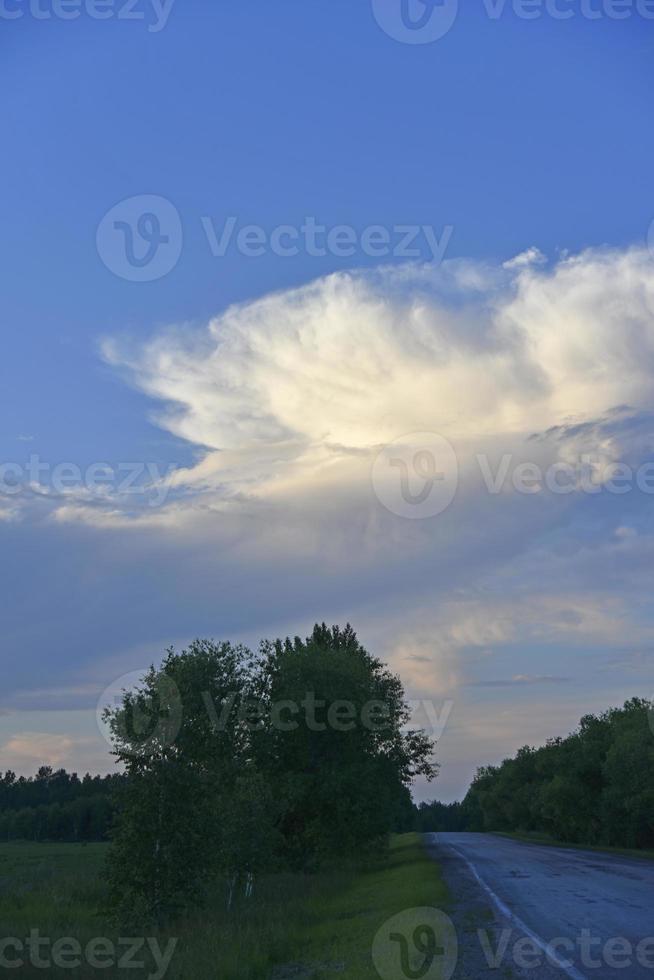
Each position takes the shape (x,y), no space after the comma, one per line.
(182,741)
(334,743)
(627,804)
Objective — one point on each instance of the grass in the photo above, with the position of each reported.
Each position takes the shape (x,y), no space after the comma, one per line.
(298,926)
(49,886)
(544,839)
(344,922)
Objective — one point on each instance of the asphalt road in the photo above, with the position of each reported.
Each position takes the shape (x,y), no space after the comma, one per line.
(597,907)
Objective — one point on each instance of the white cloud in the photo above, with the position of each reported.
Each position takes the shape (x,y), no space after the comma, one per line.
(9,513)
(298,389)
(531,256)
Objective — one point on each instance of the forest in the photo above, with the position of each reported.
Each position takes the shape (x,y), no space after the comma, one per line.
(55,805)
(594,786)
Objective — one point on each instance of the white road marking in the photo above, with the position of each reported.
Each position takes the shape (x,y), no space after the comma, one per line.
(567,968)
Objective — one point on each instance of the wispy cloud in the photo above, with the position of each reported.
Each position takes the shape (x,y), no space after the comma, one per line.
(520,680)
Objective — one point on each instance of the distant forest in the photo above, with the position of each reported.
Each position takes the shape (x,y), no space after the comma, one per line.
(596,786)
(57,806)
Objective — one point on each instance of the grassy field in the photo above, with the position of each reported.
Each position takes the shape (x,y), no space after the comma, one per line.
(551,842)
(295,926)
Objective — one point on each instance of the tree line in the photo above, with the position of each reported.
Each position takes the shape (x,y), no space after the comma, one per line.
(239,763)
(55,805)
(595,786)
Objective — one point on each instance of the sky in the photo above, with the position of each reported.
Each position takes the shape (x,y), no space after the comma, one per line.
(333,311)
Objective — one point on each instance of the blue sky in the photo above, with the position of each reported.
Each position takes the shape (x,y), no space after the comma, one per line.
(515,134)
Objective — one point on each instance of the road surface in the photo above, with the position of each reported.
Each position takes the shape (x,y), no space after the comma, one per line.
(597,908)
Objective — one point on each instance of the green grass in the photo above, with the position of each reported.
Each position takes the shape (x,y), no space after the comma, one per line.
(296,925)
(344,922)
(49,886)
(535,838)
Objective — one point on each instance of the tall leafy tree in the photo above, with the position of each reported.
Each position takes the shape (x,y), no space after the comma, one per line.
(334,743)
(181,739)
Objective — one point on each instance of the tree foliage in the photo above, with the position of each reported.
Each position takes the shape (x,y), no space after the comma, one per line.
(180,773)
(594,787)
(55,805)
(340,757)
